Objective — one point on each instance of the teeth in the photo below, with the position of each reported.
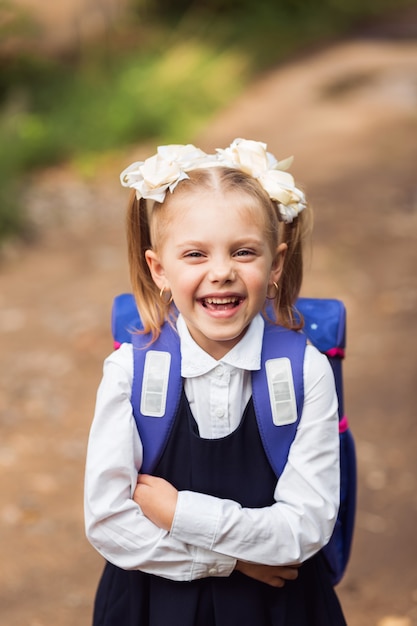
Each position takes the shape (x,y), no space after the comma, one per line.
(221,300)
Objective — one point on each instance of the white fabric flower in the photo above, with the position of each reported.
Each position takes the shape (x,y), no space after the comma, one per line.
(281,188)
(152,178)
(246,155)
(164,170)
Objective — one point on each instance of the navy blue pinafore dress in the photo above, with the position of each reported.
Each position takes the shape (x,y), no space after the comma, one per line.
(237,468)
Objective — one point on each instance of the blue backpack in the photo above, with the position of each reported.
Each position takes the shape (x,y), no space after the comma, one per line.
(277,391)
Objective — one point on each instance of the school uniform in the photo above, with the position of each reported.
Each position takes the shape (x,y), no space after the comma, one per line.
(230,505)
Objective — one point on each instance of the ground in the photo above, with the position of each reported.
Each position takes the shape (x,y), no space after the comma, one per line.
(348,114)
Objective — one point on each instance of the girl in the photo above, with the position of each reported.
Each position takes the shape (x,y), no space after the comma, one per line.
(212,538)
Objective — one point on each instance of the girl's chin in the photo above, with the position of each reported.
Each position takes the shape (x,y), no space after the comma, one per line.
(219,344)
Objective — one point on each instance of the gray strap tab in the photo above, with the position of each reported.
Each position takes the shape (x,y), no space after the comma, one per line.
(281,391)
(155,383)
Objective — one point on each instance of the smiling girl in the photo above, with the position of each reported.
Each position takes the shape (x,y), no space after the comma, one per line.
(212,538)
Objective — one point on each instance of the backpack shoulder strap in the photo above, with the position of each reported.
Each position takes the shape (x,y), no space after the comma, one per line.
(156,391)
(157,383)
(278,392)
(278,396)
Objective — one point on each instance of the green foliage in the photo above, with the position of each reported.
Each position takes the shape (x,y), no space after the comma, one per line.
(100,108)
(158,80)
(12,215)
(271,29)
(53,111)
(235,9)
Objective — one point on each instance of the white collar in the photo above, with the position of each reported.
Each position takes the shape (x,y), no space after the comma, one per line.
(244,355)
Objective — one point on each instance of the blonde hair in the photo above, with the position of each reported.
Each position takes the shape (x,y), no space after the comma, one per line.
(148,225)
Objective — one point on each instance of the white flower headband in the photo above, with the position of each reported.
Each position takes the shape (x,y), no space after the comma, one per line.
(153,177)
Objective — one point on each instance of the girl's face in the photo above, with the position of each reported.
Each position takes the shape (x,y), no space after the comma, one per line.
(216,260)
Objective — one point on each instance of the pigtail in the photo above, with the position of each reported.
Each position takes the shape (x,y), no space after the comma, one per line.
(153,310)
(294,234)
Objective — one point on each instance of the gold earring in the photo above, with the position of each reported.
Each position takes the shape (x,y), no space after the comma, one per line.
(161,295)
(276,291)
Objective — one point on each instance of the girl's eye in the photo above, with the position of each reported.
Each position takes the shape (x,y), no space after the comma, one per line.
(244,253)
(194,254)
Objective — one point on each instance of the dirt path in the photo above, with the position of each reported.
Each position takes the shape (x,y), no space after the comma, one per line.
(348,113)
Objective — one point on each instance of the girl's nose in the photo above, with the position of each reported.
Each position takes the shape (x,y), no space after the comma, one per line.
(222,272)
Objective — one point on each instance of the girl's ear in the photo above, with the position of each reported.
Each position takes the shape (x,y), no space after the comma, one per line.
(156,269)
(278,263)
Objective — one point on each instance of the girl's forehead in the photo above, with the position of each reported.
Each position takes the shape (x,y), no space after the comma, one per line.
(204,213)
(235,202)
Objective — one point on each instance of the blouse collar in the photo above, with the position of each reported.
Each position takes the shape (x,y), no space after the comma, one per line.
(244,355)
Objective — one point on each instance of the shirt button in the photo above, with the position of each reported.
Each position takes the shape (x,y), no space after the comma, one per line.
(219,413)
(212,571)
(219,371)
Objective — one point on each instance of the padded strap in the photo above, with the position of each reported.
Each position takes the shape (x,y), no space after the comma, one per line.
(277,439)
(154,431)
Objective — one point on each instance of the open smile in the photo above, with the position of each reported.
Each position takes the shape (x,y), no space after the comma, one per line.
(221,304)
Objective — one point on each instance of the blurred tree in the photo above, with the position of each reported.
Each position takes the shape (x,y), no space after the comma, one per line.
(225,8)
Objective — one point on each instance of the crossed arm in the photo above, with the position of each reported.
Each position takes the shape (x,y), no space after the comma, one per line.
(184,535)
(157,499)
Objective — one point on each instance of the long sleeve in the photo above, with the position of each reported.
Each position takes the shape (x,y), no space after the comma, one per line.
(114,523)
(301,520)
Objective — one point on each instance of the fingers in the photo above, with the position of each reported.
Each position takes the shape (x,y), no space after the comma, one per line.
(273,575)
(285,574)
(145,479)
(151,481)
(289,573)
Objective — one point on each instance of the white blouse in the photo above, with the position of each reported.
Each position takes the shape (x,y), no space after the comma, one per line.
(210,534)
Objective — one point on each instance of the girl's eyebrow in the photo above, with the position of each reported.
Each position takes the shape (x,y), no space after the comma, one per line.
(190,244)
(250,240)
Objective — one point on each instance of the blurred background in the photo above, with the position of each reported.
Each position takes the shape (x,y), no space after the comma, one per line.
(88,86)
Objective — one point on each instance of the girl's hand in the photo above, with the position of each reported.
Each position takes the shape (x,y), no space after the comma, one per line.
(157,498)
(273,575)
